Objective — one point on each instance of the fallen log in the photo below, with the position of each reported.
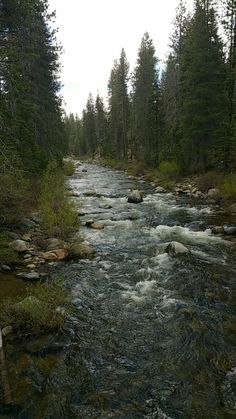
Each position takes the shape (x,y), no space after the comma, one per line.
(4,376)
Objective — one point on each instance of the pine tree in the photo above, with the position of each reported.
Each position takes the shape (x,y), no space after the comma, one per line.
(146,105)
(171,88)
(89,139)
(229,23)
(205,103)
(119,106)
(101,125)
(73,133)
(31,108)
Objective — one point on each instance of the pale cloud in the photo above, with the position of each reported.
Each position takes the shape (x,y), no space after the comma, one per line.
(93,32)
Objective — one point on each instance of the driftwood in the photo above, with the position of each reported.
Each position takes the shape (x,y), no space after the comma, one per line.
(4,376)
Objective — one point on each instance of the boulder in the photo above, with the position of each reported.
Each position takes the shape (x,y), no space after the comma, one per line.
(19,246)
(97,226)
(30,276)
(81,251)
(84,170)
(213,193)
(229,229)
(135,197)
(55,255)
(175,248)
(217,230)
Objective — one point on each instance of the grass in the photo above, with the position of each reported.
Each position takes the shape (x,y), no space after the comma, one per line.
(169,170)
(7,254)
(39,309)
(58,212)
(68,167)
(227,186)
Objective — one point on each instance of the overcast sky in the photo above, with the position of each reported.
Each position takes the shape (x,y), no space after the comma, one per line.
(93,32)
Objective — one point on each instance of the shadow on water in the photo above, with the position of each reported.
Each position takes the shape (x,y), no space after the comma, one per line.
(153,336)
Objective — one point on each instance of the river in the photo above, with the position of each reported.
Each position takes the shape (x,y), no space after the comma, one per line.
(153,336)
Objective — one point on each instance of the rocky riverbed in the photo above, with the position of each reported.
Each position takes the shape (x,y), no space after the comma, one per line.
(153,333)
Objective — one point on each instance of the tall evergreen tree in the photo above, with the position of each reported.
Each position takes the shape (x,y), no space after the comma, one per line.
(73,133)
(229,23)
(119,106)
(31,108)
(101,125)
(205,103)
(146,105)
(89,138)
(171,88)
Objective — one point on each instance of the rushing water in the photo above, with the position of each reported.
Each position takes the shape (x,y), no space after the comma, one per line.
(154,336)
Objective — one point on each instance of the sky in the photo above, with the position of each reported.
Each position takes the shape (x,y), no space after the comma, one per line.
(93,32)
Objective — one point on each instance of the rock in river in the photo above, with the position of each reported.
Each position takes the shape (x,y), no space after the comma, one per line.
(135,197)
(80,251)
(97,226)
(229,229)
(175,248)
(31,276)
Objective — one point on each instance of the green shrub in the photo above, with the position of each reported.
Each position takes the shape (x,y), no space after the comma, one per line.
(14,188)
(68,167)
(169,170)
(58,212)
(228,186)
(45,306)
(7,254)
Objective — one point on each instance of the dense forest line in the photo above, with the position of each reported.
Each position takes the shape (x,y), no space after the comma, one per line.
(183,113)
(31,118)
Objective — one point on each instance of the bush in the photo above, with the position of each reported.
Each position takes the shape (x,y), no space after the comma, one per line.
(58,212)
(228,186)
(45,306)
(209,180)
(7,254)
(13,190)
(169,170)
(68,167)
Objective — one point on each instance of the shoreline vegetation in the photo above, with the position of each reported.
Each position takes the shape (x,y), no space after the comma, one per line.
(33,244)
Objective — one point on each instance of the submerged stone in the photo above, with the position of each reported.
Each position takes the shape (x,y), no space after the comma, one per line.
(135,197)
(175,248)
